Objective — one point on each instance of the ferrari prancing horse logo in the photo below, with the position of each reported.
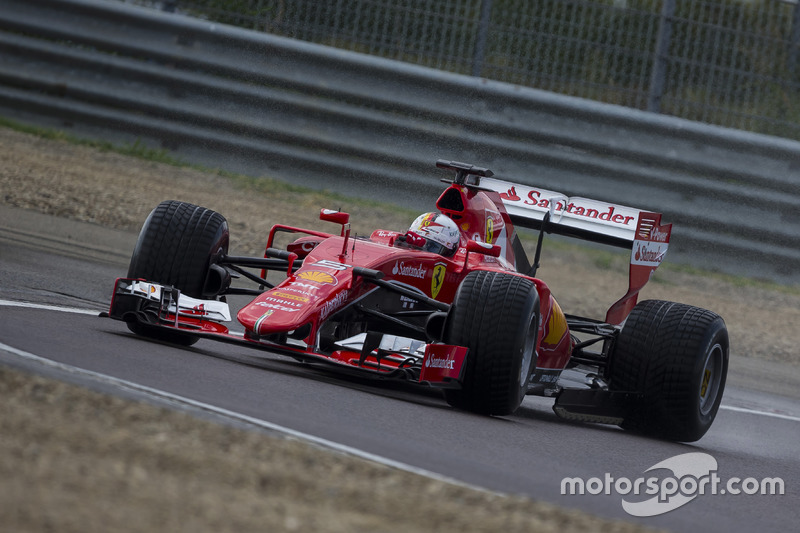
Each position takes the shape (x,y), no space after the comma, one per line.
(437,279)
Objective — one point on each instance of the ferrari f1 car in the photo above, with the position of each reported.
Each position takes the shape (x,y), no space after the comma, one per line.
(459,309)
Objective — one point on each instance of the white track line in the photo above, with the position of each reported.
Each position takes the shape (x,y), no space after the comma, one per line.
(163,395)
(10,303)
(760,413)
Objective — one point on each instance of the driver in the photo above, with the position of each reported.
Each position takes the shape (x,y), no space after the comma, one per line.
(434,232)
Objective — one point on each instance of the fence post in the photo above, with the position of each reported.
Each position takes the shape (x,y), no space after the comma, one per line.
(660,57)
(794,43)
(480,38)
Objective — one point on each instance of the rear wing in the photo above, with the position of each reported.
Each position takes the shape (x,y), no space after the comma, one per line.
(595,221)
(582,218)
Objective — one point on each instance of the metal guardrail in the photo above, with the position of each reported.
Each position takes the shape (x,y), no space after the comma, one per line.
(327,118)
(732,63)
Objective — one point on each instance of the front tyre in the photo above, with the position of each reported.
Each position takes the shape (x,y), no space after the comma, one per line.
(496,316)
(176,246)
(676,357)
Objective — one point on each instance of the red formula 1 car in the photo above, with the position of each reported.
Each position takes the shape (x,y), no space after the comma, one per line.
(453,303)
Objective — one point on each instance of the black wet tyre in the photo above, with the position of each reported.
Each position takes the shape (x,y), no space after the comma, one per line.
(496,316)
(676,357)
(176,246)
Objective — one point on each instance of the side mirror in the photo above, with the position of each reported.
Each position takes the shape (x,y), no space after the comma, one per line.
(483,248)
(337,217)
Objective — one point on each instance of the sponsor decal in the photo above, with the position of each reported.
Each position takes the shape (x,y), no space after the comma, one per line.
(653,233)
(333,304)
(317,277)
(410,271)
(489,230)
(408,303)
(582,207)
(277,307)
(658,235)
(272,299)
(440,362)
(548,378)
(647,253)
(295,297)
(556,326)
(443,363)
(510,195)
(545,376)
(306,286)
(437,279)
(307,290)
(146,288)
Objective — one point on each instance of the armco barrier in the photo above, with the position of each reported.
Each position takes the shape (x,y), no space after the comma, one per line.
(322,117)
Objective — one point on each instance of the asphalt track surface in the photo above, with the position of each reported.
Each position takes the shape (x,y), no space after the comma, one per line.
(48,262)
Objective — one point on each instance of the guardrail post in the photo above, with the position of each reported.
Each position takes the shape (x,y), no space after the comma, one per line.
(660,57)
(794,43)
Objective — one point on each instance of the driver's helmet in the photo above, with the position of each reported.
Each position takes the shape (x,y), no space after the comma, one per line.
(434,232)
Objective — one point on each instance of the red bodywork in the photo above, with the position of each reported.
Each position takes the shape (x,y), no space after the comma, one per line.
(338,271)
(325,282)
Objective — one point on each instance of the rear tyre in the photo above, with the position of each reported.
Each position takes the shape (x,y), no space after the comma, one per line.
(176,246)
(496,316)
(676,357)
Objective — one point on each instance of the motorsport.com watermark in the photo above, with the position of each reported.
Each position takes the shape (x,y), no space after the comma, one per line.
(693,474)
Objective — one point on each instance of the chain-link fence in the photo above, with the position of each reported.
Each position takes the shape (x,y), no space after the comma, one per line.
(732,63)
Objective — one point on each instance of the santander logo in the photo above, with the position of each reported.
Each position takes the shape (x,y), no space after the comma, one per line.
(646,255)
(574,207)
(411,271)
(441,362)
(511,195)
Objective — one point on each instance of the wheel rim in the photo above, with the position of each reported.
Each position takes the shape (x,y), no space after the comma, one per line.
(710,379)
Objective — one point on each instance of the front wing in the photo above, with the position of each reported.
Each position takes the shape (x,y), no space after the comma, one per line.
(165,308)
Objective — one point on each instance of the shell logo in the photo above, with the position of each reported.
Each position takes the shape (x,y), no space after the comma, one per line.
(317,277)
(557,326)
